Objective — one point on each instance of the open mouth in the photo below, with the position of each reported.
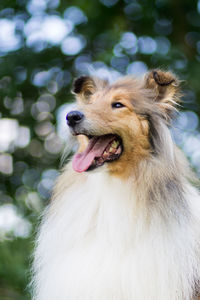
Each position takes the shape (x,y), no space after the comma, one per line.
(100,149)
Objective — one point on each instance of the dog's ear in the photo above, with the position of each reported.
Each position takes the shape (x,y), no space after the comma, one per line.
(165,88)
(84,86)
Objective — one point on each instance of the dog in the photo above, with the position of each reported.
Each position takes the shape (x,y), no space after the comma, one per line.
(124,219)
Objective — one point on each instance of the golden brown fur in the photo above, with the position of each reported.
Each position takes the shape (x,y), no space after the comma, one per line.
(154,94)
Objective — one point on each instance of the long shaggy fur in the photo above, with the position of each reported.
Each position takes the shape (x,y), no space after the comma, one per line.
(131,235)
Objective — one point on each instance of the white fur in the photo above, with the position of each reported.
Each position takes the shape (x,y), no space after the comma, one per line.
(98,243)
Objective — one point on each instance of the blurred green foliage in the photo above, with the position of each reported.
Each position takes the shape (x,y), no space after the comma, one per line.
(39,57)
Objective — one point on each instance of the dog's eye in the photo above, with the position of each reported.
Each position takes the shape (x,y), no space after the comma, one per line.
(117,105)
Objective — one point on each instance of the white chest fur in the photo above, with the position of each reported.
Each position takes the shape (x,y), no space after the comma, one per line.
(97,242)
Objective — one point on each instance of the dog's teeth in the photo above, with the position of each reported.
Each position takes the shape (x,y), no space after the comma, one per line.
(105,154)
(118,150)
(114,144)
(112,150)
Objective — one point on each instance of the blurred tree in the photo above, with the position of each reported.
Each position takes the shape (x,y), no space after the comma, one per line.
(44,44)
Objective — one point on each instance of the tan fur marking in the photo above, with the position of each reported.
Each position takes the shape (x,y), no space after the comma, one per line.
(157,93)
(125,122)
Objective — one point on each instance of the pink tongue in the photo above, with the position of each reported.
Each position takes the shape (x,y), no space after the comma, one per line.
(82,161)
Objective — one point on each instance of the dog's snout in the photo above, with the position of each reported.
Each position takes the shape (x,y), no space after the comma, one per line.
(74,117)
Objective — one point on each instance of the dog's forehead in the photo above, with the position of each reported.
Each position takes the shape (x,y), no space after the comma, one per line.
(117,91)
(126,89)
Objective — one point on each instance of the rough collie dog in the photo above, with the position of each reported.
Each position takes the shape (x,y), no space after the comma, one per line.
(124,221)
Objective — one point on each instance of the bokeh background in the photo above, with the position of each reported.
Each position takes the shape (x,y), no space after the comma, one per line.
(44,44)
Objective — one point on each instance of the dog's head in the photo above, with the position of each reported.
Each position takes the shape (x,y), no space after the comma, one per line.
(115,122)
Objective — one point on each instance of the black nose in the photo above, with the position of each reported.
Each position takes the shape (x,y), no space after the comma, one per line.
(74,117)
